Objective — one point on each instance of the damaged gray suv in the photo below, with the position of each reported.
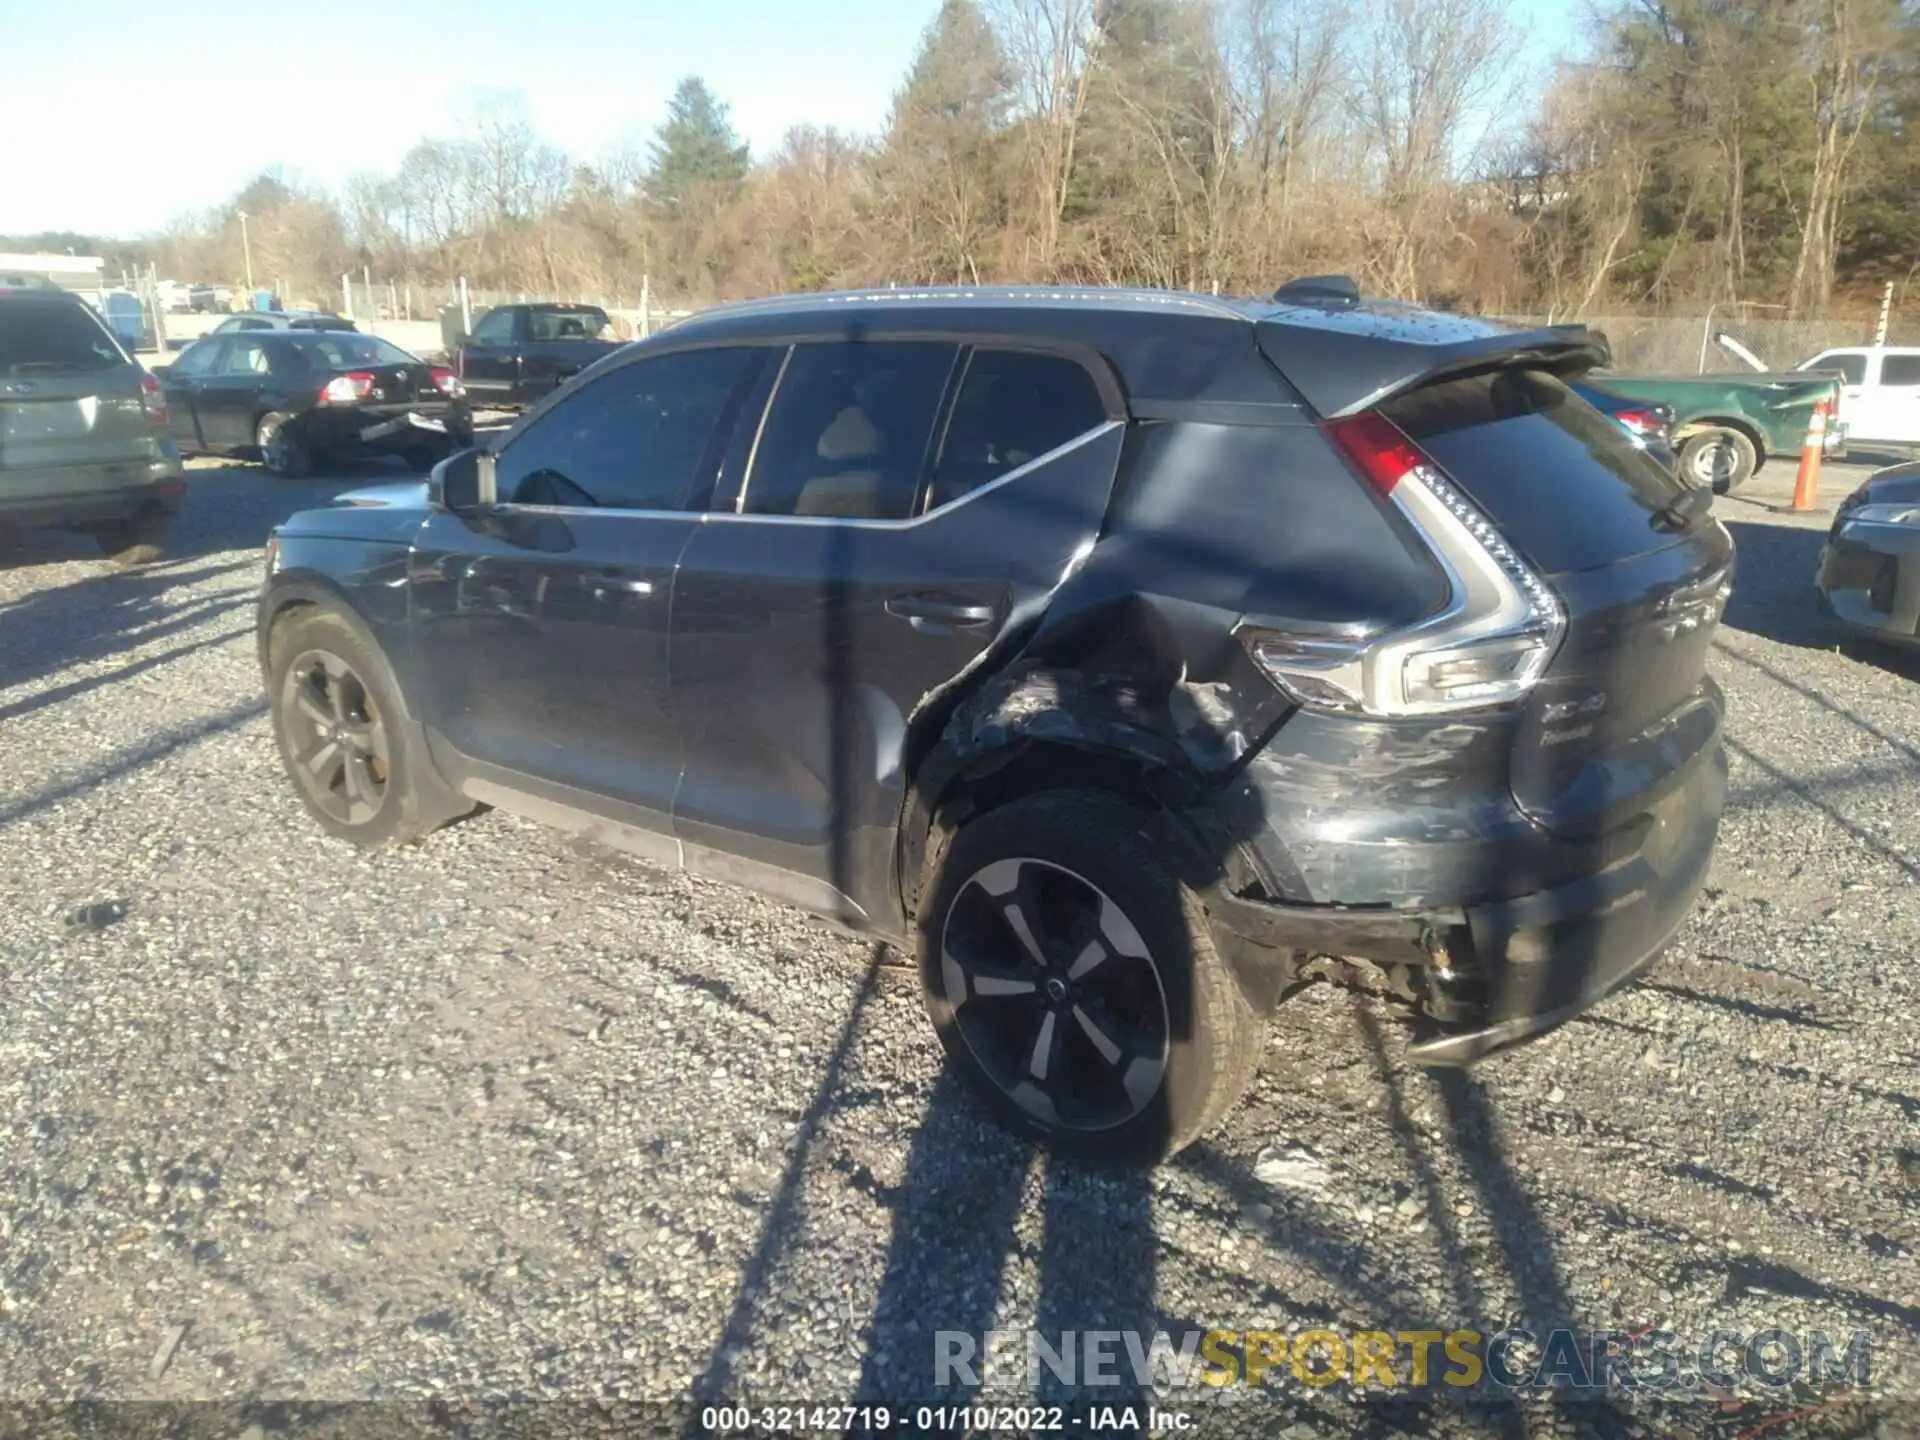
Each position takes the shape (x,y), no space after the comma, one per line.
(1115,652)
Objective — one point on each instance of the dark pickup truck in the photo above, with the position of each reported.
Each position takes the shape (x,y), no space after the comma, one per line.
(517,353)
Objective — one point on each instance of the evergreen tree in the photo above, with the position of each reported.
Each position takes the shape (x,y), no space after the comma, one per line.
(937,166)
(696,146)
(959,77)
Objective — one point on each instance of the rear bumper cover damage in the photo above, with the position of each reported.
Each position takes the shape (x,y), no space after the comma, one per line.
(394,427)
(1509,970)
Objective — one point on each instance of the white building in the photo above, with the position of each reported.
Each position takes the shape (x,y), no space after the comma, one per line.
(70,272)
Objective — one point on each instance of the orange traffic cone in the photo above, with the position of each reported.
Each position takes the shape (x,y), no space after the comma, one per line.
(1806,485)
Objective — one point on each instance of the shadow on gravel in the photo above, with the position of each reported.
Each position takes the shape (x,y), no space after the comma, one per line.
(130,759)
(1781,781)
(1773,594)
(105,615)
(781,1223)
(230,506)
(57,694)
(1899,661)
(956,1218)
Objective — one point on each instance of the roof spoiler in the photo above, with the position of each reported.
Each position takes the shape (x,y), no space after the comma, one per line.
(1343,361)
(1333,291)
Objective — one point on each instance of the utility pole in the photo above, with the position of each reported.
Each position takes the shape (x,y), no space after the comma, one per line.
(246,249)
(1886,314)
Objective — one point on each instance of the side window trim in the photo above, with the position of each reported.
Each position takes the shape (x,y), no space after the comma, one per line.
(1101,384)
(923,503)
(907,522)
(723,502)
(949,391)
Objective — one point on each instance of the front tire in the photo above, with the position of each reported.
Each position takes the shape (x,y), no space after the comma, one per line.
(1074,983)
(342,732)
(283,449)
(1719,460)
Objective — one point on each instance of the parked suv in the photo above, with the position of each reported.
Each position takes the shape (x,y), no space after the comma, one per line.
(1113,651)
(83,429)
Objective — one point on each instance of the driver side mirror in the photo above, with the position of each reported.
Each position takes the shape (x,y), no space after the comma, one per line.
(463,483)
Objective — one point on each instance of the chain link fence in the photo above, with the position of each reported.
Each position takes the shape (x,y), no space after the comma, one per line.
(427,317)
(1686,345)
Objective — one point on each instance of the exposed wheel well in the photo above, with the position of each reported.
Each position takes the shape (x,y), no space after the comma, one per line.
(1034,766)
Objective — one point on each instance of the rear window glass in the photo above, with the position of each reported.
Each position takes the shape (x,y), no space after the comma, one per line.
(1562,481)
(1851,368)
(336,348)
(566,324)
(1900,369)
(53,337)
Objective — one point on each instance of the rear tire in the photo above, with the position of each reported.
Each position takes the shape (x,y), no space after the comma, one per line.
(283,449)
(1129,1037)
(1721,460)
(137,541)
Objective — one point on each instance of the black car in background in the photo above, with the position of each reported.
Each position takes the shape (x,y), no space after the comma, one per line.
(290,397)
(1650,425)
(1116,651)
(282,320)
(519,353)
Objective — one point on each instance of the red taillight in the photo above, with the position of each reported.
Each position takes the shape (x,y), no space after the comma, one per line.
(1641,422)
(346,389)
(1376,448)
(448,383)
(153,399)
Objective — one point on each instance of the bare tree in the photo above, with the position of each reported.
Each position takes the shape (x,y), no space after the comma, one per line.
(1050,45)
(1847,40)
(1431,69)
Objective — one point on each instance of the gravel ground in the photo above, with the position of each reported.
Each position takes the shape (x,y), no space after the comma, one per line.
(505,1115)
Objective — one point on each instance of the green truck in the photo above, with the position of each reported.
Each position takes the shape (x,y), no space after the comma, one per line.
(1726,426)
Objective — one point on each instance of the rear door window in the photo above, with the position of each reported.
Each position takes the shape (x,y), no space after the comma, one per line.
(200,358)
(1014,406)
(54,337)
(1561,480)
(246,355)
(849,430)
(566,324)
(1900,369)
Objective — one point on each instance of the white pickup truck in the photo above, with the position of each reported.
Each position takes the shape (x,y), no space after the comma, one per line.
(1879,392)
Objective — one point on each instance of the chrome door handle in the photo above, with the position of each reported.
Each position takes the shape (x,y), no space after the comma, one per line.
(940,610)
(601,586)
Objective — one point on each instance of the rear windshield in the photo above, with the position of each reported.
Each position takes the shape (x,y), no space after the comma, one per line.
(567,324)
(337,349)
(1563,481)
(53,337)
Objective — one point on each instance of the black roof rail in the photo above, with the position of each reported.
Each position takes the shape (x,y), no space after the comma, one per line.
(1330,290)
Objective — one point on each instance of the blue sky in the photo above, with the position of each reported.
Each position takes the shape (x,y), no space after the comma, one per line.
(148,125)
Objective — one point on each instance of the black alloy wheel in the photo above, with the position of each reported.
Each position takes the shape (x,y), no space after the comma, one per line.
(336,739)
(1055,994)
